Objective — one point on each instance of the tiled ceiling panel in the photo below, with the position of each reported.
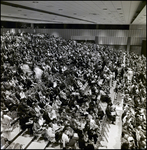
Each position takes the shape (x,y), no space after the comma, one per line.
(85,12)
(141,18)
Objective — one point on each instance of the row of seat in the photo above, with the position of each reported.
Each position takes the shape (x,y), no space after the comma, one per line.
(21,140)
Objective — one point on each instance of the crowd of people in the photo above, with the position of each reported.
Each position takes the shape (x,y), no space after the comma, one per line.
(134,115)
(55,86)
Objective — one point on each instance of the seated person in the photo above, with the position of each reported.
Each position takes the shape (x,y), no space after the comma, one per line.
(125,146)
(59,131)
(105,98)
(73,142)
(6,125)
(50,133)
(65,139)
(37,128)
(131,143)
(100,113)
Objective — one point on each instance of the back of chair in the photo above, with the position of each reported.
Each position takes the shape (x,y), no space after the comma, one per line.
(17,146)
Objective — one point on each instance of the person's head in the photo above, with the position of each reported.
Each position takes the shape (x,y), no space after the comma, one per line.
(54,120)
(66,131)
(125,146)
(139,127)
(50,125)
(36,119)
(131,141)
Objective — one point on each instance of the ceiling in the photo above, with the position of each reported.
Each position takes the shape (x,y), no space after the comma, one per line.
(75,12)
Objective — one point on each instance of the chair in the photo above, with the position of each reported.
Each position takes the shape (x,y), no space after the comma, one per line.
(17,146)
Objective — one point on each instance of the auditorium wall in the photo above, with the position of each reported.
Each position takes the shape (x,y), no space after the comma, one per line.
(108,37)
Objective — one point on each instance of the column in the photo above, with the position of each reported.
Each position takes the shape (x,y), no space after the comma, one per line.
(128,44)
(96,40)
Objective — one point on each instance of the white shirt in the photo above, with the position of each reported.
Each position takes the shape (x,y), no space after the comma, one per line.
(55,127)
(26,68)
(93,124)
(65,139)
(38,72)
(6,119)
(41,121)
(53,114)
(50,132)
(22,94)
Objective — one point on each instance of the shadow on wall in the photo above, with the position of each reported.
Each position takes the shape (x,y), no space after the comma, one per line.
(118,47)
(136,49)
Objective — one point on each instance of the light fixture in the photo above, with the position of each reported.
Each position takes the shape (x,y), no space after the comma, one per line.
(49,6)
(60,9)
(93,14)
(35,2)
(104,8)
(118,8)
(19,10)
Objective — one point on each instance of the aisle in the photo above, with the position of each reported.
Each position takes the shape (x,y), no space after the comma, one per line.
(115,131)
(114,134)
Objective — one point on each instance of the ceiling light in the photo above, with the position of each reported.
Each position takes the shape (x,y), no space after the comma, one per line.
(118,8)
(60,9)
(49,6)
(35,2)
(93,14)
(104,8)
(19,10)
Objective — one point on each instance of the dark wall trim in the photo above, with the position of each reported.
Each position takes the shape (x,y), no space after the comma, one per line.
(10,24)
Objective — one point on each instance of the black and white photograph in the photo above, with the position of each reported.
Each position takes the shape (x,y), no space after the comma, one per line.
(73,75)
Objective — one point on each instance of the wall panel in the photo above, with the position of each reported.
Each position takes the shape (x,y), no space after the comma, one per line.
(137,33)
(136,40)
(112,40)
